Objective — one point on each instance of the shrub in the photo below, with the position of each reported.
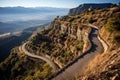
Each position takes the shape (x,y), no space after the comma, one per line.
(62,36)
(29,77)
(91,20)
(113,24)
(71,19)
(65,18)
(117,39)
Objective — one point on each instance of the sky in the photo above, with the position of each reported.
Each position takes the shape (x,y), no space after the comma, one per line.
(51,3)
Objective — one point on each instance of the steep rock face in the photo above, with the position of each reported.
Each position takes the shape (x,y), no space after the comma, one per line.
(79,33)
(83,7)
(106,65)
(73,30)
(76,31)
(64,28)
(56,26)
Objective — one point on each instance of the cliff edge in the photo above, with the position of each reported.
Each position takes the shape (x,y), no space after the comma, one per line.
(84,7)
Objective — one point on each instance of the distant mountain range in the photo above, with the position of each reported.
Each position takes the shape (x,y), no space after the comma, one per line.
(13,10)
(6,27)
(86,6)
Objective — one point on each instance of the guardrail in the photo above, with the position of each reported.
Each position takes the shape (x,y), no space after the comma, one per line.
(103,42)
(72,62)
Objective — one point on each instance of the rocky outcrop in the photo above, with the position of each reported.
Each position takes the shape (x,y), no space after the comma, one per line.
(56,25)
(73,30)
(64,28)
(76,31)
(87,44)
(84,7)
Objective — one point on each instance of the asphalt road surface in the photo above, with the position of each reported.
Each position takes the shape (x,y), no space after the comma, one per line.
(77,65)
(51,63)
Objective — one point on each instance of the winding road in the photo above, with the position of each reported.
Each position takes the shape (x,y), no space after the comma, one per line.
(77,65)
(51,63)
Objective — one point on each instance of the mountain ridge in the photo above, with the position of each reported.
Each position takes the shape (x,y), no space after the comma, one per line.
(86,6)
(64,40)
(10,10)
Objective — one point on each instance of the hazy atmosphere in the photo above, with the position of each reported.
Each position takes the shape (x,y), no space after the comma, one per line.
(51,3)
(59,39)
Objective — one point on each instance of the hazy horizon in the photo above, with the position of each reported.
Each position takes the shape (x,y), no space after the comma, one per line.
(32,7)
(51,3)
(17,19)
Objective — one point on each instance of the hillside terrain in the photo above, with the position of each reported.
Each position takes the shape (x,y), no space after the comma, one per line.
(19,67)
(87,6)
(7,42)
(60,43)
(66,39)
(105,66)
(107,21)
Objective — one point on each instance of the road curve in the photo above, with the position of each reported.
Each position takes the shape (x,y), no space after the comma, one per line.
(51,63)
(77,65)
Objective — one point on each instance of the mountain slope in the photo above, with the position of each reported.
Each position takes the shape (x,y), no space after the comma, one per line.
(105,67)
(107,22)
(67,38)
(84,7)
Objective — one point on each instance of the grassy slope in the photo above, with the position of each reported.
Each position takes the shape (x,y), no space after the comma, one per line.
(106,66)
(20,67)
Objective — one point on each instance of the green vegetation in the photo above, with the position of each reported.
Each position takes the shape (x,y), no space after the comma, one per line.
(71,19)
(56,48)
(65,18)
(17,67)
(62,36)
(60,46)
(117,39)
(91,20)
(113,24)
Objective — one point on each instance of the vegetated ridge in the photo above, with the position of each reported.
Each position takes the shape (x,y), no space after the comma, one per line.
(87,6)
(64,40)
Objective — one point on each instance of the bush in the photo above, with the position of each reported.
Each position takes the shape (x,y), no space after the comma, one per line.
(71,19)
(91,20)
(64,18)
(113,24)
(117,39)
(62,36)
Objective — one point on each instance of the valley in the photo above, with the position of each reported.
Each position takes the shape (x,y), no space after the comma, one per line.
(18,23)
(15,39)
(82,45)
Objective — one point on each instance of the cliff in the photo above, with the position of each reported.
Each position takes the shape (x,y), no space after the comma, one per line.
(105,66)
(84,7)
(65,39)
